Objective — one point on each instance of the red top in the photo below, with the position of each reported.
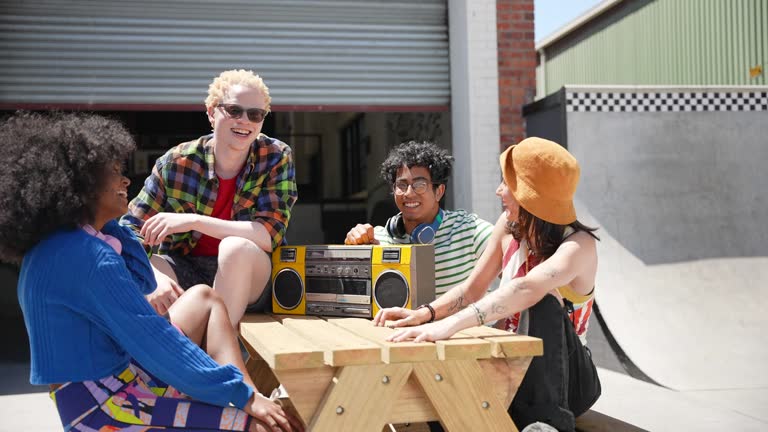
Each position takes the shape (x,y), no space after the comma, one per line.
(222,209)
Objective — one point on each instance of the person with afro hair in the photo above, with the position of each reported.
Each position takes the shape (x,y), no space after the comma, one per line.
(214,208)
(417,173)
(109,359)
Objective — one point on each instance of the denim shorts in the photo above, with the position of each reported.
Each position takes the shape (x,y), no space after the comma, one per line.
(194,270)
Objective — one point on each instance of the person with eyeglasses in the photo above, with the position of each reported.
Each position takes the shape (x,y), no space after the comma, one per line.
(213,209)
(548,263)
(418,173)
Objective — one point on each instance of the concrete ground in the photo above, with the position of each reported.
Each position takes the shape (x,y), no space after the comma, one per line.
(676,344)
(23,407)
(646,406)
(652,407)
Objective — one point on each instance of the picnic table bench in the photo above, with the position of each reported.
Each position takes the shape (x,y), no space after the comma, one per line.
(341,374)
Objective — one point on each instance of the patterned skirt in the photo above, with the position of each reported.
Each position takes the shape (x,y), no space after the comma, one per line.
(137,401)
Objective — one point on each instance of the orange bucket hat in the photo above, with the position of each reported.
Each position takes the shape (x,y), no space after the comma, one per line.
(542,177)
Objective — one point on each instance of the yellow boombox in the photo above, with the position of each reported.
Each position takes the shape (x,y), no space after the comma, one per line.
(351,281)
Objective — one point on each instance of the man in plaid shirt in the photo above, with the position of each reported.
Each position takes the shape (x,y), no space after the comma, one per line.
(215,208)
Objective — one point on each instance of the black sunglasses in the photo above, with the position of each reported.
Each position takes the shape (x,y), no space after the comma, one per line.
(235,111)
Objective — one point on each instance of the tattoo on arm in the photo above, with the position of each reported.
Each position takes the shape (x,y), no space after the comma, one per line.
(457,305)
(498,309)
(550,272)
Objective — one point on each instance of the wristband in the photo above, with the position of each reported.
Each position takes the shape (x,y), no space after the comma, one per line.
(431,311)
(479,315)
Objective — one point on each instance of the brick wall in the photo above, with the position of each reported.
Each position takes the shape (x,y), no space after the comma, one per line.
(517,66)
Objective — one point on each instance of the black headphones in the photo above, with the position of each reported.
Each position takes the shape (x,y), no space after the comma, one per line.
(422,234)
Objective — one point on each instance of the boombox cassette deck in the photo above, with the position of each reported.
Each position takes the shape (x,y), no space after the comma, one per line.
(351,281)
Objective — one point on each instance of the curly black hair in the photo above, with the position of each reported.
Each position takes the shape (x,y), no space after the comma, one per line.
(55,168)
(424,154)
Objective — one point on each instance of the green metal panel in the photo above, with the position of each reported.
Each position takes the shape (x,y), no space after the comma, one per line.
(663,42)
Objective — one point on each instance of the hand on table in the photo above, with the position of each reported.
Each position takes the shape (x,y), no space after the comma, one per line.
(431,332)
(400,317)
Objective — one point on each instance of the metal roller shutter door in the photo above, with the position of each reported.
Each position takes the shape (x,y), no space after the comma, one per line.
(312,54)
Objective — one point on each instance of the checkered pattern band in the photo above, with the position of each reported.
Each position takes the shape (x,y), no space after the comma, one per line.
(666,102)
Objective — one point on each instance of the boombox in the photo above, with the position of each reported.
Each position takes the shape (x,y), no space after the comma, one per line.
(351,281)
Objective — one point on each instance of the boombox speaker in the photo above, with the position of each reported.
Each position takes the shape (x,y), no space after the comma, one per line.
(351,281)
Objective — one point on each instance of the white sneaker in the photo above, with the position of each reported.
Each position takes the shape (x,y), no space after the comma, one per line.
(539,427)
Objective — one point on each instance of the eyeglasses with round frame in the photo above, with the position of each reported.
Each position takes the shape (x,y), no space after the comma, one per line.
(236,111)
(419,186)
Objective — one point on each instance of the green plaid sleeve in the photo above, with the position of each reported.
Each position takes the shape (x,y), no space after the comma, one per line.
(147,203)
(275,195)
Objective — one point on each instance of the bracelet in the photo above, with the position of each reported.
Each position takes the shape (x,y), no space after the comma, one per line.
(431,311)
(478,314)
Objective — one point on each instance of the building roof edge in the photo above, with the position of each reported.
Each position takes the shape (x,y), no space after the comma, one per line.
(576,23)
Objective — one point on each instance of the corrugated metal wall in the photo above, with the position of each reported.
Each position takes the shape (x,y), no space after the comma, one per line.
(167,51)
(664,42)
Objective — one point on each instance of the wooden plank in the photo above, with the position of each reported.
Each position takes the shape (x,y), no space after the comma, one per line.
(412,405)
(481,332)
(340,346)
(361,398)
(283,317)
(257,318)
(307,387)
(280,347)
(462,396)
(391,352)
(262,375)
(462,349)
(266,317)
(476,332)
(506,375)
(516,346)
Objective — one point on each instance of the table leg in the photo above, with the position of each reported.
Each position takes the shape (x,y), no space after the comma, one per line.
(462,396)
(506,374)
(360,398)
(262,375)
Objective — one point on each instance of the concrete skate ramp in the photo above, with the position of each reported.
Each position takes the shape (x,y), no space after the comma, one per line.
(693,325)
(683,273)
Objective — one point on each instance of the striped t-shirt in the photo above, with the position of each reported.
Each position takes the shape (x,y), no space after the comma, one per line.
(459,242)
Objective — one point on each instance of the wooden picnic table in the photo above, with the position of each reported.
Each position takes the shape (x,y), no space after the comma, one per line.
(341,375)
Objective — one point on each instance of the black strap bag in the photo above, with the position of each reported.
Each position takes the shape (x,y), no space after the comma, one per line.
(583,383)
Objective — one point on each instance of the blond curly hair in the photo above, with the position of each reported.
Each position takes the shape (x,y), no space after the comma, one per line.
(218,89)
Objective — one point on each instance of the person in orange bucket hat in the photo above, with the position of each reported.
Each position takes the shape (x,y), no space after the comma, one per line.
(547,260)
